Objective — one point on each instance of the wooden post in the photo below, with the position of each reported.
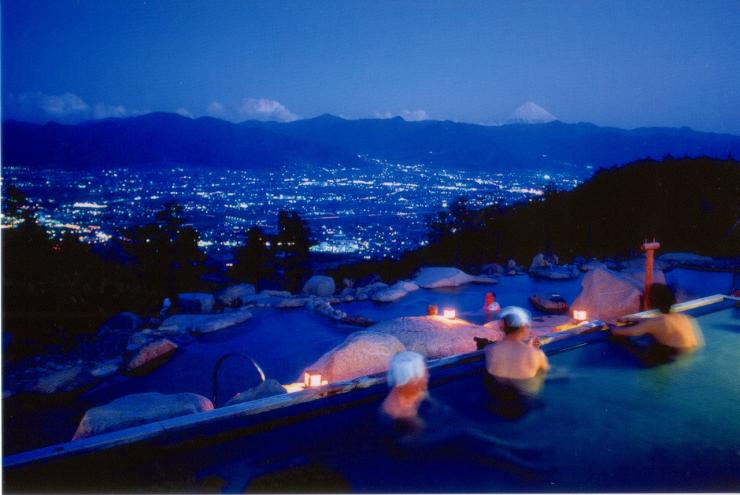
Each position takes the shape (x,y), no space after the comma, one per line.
(649,248)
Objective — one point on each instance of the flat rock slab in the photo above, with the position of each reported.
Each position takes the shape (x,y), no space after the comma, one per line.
(444,276)
(62,381)
(559,272)
(139,409)
(268,388)
(151,356)
(198,324)
(291,302)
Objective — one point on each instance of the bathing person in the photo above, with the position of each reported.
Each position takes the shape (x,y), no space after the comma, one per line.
(516,368)
(675,330)
(673,333)
(409,378)
(424,428)
(490,305)
(511,357)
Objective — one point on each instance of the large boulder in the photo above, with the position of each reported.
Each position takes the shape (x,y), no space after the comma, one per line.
(492,269)
(638,275)
(592,265)
(235,295)
(394,292)
(268,388)
(407,285)
(324,307)
(390,294)
(436,336)
(539,261)
(151,356)
(63,381)
(444,276)
(319,285)
(139,409)
(112,335)
(195,302)
(606,294)
(362,353)
(198,324)
(366,292)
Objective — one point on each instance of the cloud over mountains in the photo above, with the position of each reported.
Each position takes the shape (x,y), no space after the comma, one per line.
(67,108)
(265,109)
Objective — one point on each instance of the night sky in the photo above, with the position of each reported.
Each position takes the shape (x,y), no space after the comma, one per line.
(623,64)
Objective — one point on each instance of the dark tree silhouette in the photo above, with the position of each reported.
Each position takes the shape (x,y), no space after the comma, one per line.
(689,204)
(291,248)
(55,292)
(254,262)
(165,253)
(14,200)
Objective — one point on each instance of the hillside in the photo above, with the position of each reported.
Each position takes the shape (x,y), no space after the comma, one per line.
(687,204)
(164,139)
(548,146)
(159,139)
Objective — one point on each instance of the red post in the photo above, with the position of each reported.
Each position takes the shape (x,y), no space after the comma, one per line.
(649,248)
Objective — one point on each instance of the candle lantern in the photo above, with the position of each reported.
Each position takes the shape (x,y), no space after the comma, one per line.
(579,315)
(312,379)
(450,314)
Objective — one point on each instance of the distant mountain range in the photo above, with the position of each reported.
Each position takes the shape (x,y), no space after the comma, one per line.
(165,139)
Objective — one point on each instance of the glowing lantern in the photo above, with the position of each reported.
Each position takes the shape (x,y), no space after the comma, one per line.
(579,315)
(450,314)
(312,379)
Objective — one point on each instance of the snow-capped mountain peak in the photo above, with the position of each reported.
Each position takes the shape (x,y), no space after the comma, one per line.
(531,113)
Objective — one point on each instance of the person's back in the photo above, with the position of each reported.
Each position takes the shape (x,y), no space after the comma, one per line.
(674,330)
(514,359)
(511,357)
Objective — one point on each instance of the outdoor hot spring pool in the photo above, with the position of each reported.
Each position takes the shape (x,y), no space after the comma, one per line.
(602,422)
(286,341)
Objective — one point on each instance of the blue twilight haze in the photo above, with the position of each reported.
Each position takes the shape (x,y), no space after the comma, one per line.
(652,63)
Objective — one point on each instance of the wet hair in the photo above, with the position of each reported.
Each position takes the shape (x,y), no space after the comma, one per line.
(514,318)
(661,297)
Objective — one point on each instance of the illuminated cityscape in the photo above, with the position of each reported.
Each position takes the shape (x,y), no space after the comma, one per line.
(375,211)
